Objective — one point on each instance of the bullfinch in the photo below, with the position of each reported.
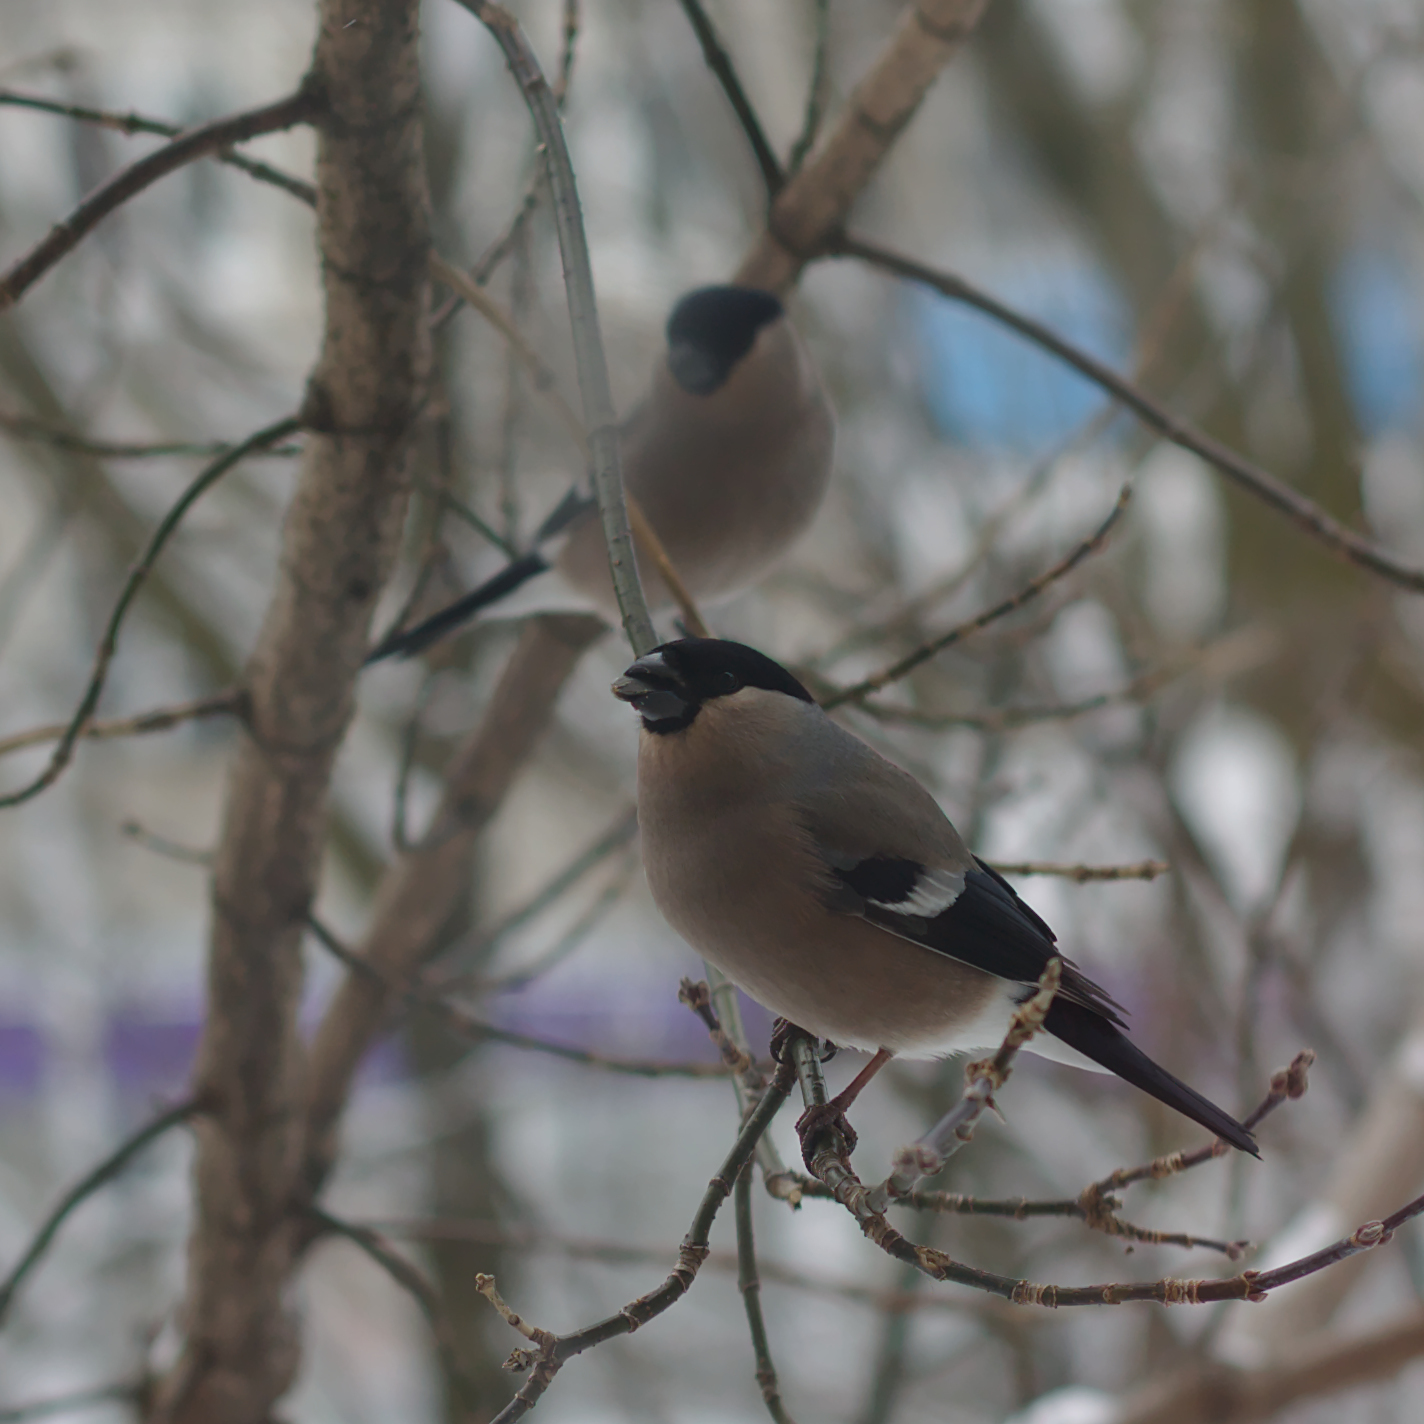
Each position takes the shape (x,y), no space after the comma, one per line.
(829,885)
(729,455)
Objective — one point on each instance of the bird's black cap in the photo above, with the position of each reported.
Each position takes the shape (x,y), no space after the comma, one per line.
(669,685)
(711,329)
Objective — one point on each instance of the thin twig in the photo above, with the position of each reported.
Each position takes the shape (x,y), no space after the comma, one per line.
(1286,1084)
(698,997)
(1084,550)
(717,59)
(84,1188)
(468,1026)
(161,845)
(1136,870)
(554,1351)
(513,235)
(621,1253)
(546,384)
(576,934)
(218,704)
(543,378)
(749,1284)
(810,209)
(781,1183)
(1305,513)
(927,1156)
(107,645)
(829,1164)
(481,941)
(196,143)
(132,123)
(24,427)
(599,416)
(815,91)
(408,1276)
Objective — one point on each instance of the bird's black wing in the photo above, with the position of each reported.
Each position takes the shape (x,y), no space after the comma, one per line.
(974,916)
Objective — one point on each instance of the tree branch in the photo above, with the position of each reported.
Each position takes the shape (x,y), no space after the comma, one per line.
(749,1285)
(23,427)
(220,704)
(132,123)
(197,143)
(717,59)
(339,543)
(1344,542)
(1081,551)
(84,1188)
(807,213)
(554,1351)
(62,754)
(599,415)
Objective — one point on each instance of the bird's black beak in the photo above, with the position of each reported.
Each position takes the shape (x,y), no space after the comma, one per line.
(652,688)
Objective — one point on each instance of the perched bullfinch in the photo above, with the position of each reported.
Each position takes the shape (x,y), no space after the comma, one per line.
(827,883)
(729,455)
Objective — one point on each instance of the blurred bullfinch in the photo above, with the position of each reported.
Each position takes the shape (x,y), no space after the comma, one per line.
(729,455)
(829,885)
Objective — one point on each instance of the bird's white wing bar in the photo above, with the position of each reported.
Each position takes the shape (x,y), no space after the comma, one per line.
(932,892)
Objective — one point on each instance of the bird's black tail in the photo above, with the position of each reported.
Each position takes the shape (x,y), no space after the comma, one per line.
(406,642)
(1095,1038)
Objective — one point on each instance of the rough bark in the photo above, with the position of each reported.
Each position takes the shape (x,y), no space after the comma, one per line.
(338,545)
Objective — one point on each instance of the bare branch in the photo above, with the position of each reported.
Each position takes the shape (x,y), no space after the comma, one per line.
(340,539)
(749,1284)
(415,897)
(197,143)
(1083,550)
(715,55)
(1134,870)
(620,1253)
(1344,542)
(408,1277)
(815,90)
(109,643)
(219,704)
(599,415)
(546,384)
(23,427)
(1097,1204)
(466,1025)
(808,212)
(830,1165)
(481,941)
(927,1156)
(161,845)
(698,997)
(132,123)
(84,1188)
(554,1351)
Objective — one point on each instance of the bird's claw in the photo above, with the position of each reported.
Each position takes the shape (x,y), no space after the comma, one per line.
(781,1032)
(819,1119)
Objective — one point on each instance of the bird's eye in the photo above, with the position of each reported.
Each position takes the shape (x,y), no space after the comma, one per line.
(727,681)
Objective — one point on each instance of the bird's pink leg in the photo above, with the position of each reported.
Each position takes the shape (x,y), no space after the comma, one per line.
(821,1116)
